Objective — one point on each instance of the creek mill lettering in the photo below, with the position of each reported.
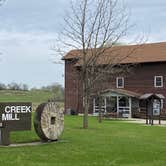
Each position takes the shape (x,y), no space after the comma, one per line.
(11,112)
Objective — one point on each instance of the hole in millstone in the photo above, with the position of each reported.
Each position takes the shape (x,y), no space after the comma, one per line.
(53,120)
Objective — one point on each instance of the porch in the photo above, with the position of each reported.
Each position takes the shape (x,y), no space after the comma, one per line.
(116,103)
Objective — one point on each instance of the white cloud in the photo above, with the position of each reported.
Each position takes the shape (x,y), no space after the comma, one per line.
(27,45)
(26,57)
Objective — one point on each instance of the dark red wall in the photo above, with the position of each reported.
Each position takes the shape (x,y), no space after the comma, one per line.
(140,80)
(71,86)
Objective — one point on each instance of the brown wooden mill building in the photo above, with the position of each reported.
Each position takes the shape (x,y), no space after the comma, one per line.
(125,95)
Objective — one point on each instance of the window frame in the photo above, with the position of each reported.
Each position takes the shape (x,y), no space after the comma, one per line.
(155,81)
(117,81)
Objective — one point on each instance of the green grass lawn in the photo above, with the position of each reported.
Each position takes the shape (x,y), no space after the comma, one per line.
(111,143)
(36,96)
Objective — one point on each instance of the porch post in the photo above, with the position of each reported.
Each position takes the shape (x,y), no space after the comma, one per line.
(130,107)
(94,105)
(105,102)
(146,112)
(117,99)
(152,101)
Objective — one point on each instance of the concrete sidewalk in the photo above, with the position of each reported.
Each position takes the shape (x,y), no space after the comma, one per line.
(143,121)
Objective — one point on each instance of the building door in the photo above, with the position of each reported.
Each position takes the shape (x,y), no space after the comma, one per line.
(124,106)
(96,105)
(111,104)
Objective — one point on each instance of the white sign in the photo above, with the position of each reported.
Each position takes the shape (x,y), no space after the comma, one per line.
(156,107)
(11,112)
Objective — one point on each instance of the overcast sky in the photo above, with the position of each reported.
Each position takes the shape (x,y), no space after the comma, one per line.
(28,30)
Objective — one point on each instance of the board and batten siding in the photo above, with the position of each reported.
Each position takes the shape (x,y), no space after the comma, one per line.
(71,86)
(140,80)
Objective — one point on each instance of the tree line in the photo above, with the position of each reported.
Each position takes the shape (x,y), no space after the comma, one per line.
(14,86)
(57,88)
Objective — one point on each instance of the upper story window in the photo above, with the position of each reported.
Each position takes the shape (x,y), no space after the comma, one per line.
(158,81)
(120,82)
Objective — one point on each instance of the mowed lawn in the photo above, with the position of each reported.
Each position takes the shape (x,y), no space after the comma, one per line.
(34,96)
(111,143)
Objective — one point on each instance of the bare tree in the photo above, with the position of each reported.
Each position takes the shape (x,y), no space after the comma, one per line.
(24,87)
(2,86)
(92,28)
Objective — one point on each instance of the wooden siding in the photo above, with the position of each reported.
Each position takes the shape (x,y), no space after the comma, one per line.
(71,86)
(141,80)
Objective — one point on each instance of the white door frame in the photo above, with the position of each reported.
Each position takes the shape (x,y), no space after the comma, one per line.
(96,109)
(123,108)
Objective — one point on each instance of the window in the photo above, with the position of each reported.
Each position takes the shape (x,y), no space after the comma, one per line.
(120,82)
(158,81)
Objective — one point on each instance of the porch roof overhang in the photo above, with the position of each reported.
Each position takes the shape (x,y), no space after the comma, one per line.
(150,95)
(120,92)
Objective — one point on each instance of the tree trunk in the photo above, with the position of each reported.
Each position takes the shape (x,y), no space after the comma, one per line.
(100,109)
(85,104)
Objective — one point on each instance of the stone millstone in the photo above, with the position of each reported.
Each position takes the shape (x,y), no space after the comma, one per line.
(49,121)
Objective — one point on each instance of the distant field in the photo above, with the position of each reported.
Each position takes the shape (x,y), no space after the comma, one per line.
(27,96)
(36,96)
(111,143)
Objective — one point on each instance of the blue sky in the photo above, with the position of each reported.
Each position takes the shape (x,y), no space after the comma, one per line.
(28,31)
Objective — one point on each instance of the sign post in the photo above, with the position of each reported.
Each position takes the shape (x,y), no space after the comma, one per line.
(14,117)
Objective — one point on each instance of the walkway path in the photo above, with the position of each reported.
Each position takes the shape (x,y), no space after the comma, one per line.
(143,121)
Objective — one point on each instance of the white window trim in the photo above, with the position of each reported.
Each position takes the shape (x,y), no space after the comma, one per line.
(156,86)
(122,82)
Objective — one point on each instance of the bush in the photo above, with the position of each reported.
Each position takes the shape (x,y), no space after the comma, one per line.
(73,112)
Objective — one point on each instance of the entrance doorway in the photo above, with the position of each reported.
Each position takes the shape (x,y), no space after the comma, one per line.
(111,104)
(119,105)
(96,105)
(124,106)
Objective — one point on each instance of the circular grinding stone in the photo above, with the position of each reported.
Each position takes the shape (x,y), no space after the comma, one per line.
(49,121)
